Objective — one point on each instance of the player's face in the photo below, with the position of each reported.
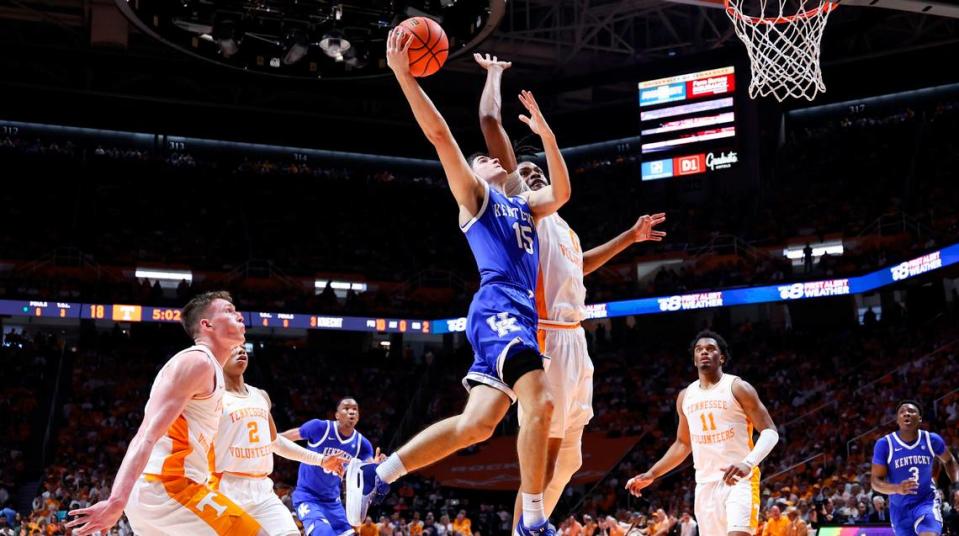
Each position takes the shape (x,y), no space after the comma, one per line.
(226,323)
(489,169)
(236,365)
(532,175)
(908,417)
(706,354)
(348,412)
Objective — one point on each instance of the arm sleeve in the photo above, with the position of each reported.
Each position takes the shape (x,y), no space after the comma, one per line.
(366,450)
(314,430)
(880,453)
(291,451)
(767,441)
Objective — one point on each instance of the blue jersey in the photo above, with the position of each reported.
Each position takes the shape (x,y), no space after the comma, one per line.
(314,483)
(909,461)
(503,238)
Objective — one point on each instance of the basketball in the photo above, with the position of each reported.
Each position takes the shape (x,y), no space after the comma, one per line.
(429,48)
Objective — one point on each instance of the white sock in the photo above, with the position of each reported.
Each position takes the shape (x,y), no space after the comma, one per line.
(533,512)
(391,470)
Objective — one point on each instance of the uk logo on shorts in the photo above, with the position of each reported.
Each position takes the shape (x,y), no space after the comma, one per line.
(503,324)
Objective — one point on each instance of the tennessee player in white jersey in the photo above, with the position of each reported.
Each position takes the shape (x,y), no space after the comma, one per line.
(560,296)
(717,416)
(245,443)
(163,481)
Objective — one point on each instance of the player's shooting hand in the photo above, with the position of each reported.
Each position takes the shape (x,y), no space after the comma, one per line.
(379,457)
(643,228)
(397,51)
(335,463)
(491,62)
(639,482)
(100,517)
(734,472)
(908,487)
(535,119)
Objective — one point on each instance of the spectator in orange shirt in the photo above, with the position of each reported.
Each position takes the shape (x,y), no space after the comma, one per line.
(573,527)
(416,525)
(589,526)
(797,527)
(776,523)
(368,528)
(462,524)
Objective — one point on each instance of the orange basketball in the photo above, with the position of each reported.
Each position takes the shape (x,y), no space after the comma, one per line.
(429,48)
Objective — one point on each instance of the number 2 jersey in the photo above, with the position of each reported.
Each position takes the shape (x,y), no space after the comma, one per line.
(910,461)
(243,442)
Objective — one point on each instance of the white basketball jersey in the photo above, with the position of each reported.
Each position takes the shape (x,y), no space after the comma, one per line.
(719,430)
(560,293)
(187,447)
(243,444)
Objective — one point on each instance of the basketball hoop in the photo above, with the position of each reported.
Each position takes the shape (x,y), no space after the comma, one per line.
(783,47)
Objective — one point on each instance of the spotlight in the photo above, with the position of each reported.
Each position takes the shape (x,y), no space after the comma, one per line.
(334,45)
(297,46)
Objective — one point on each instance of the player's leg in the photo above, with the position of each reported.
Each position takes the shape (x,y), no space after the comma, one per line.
(742,506)
(180,506)
(313,516)
(533,394)
(928,519)
(707,506)
(552,454)
(257,498)
(484,410)
(568,461)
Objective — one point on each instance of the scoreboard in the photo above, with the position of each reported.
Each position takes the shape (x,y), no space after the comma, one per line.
(688,124)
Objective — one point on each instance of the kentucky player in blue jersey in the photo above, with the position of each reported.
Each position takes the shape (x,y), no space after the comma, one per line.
(902,468)
(502,321)
(317,494)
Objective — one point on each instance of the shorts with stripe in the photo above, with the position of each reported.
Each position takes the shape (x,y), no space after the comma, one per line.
(257,498)
(174,506)
(721,509)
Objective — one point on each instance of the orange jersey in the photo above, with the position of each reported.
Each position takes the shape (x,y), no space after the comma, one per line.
(187,447)
(560,293)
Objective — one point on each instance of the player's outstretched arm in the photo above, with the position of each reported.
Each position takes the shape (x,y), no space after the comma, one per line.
(466,186)
(757,414)
(641,231)
(191,376)
(548,200)
(286,448)
(293,434)
(490,112)
(677,452)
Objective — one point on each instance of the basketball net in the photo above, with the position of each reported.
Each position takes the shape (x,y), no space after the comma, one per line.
(783,47)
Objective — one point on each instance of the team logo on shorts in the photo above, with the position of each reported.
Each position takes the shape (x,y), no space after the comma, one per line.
(502,323)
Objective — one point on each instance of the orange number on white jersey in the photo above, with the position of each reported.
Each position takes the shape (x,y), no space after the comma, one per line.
(254,438)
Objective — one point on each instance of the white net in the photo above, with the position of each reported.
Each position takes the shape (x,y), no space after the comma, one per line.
(783,41)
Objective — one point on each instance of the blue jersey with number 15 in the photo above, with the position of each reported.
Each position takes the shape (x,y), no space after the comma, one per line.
(503,238)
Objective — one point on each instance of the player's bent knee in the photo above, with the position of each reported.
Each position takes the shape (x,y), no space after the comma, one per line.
(475,430)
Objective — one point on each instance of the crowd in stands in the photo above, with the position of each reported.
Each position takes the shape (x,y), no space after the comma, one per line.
(860,177)
(831,393)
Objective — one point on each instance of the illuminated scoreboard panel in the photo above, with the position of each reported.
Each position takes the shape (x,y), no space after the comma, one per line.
(40,309)
(688,124)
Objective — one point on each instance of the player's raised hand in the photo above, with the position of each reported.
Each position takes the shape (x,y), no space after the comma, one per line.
(535,119)
(102,516)
(397,51)
(908,487)
(732,473)
(379,457)
(491,62)
(335,463)
(643,228)
(639,482)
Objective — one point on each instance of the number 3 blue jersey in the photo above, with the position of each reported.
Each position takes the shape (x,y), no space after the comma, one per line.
(316,483)
(911,461)
(503,238)
(502,317)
